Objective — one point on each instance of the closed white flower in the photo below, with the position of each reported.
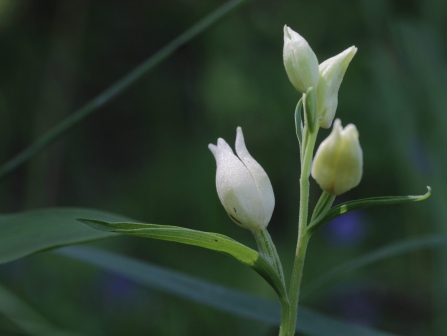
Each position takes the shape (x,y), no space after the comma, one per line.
(242,185)
(300,61)
(338,163)
(332,72)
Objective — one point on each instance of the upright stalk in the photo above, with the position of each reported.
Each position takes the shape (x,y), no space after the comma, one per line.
(303,235)
(287,322)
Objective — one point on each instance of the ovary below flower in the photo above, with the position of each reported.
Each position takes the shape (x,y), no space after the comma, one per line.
(337,166)
(242,185)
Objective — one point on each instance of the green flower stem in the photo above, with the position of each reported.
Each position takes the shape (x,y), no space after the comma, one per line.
(303,235)
(116,89)
(267,249)
(295,283)
(287,322)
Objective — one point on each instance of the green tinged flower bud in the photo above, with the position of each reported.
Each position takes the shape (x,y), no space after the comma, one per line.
(242,185)
(337,166)
(332,72)
(300,61)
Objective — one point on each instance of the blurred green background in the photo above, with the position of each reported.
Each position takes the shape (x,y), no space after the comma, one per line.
(144,155)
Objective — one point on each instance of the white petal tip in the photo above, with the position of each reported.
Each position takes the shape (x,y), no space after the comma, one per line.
(213,149)
(241,149)
(353,50)
(351,130)
(286,31)
(221,142)
(223,147)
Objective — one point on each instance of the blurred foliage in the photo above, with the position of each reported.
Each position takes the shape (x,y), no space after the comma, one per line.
(145,154)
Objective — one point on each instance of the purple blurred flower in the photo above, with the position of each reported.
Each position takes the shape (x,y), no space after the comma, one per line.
(346,230)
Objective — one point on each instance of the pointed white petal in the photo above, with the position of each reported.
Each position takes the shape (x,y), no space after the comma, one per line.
(332,72)
(259,175)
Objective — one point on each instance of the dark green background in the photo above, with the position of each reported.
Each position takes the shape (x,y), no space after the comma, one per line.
(144,155)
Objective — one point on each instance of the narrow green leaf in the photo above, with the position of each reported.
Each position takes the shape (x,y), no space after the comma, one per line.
(363,203)
(33,231)
(208,240)
(26,318)
(213,295)
(28,232)
(298,122)
(389,251)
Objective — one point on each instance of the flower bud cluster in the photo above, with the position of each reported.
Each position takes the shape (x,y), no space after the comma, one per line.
(244,188)
(304,72)
(337,166)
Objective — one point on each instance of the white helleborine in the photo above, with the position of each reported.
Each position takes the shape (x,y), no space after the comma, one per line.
(338,163)
(242,185)
(331,75)
(300,61)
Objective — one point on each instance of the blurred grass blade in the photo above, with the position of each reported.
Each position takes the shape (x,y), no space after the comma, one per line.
(28,232)
(26,318)
(363,203)
(208,240)
(213,295)
(391,250)
(117,88)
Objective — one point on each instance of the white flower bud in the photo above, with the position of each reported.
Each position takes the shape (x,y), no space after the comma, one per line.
(300,61)
(242,185)
(337,166)
(332,72)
